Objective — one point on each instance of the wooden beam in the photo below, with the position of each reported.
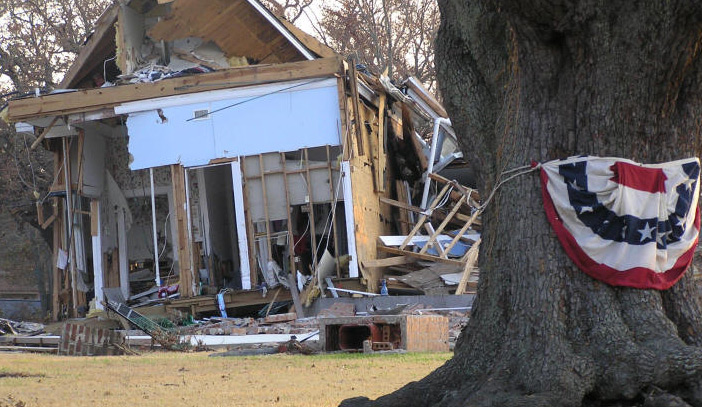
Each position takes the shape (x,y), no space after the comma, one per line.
(100,98)
(398,252)
(471,259)
(389,261)
(332,208)
(181,232)
(473,193)
(381,162)
(43,134)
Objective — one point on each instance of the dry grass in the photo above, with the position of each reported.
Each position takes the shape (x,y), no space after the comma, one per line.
(172,379)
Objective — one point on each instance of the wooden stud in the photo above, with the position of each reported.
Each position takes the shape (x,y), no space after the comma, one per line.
(194,254)
(56,273)
(265,209)
(94,208)
(69,213)
(332,208)
(355,103)
(290,172)
(381,163)
(346,141)
(81,143)
(310,205)
(291,239)
(404,218)
(249,226)
(181,232)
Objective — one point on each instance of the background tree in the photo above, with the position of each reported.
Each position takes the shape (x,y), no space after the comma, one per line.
(37,45)
(397,35)
(543,80)
(292,10)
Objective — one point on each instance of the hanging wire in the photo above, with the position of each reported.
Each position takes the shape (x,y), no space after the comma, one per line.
(261,96)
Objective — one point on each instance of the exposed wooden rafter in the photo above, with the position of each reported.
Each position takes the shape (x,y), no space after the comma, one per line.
(101,98)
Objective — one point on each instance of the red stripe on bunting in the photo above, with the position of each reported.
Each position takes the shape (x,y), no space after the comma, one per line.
(640,178)
(637,277)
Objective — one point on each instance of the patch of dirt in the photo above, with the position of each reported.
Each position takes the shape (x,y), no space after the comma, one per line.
(18,374)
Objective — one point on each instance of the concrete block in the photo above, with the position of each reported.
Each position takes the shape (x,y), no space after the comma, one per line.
(415,333)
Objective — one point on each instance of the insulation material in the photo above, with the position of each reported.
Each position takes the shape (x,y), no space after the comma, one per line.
(299,193)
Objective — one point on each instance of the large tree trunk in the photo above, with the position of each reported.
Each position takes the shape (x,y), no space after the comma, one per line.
(542,80)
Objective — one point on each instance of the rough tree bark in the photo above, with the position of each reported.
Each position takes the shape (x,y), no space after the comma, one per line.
(548,79)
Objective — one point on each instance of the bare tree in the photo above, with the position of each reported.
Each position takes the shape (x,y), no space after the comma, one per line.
(38,41)
(396,36)
(292,10)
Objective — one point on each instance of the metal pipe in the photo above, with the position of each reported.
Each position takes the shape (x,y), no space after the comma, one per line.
(430,165)
(154,226)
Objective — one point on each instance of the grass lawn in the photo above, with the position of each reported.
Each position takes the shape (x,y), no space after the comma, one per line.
(194,379)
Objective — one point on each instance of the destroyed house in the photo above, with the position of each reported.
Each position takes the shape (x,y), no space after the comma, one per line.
(206,152)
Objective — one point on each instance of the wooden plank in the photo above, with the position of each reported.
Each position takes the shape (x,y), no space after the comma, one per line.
(432,241)
(292,281)
(40,213)
(399,252)
(94,208)
(463,230)
(178,181)
(389,261)
(290,172)
(416,209)
(423,218)
(332,199)
(381,163)
(441,227)
(355,104)
(100,98)
(471,259)
(404,218)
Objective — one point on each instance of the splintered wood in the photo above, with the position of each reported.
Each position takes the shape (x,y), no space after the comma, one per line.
(453,242)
